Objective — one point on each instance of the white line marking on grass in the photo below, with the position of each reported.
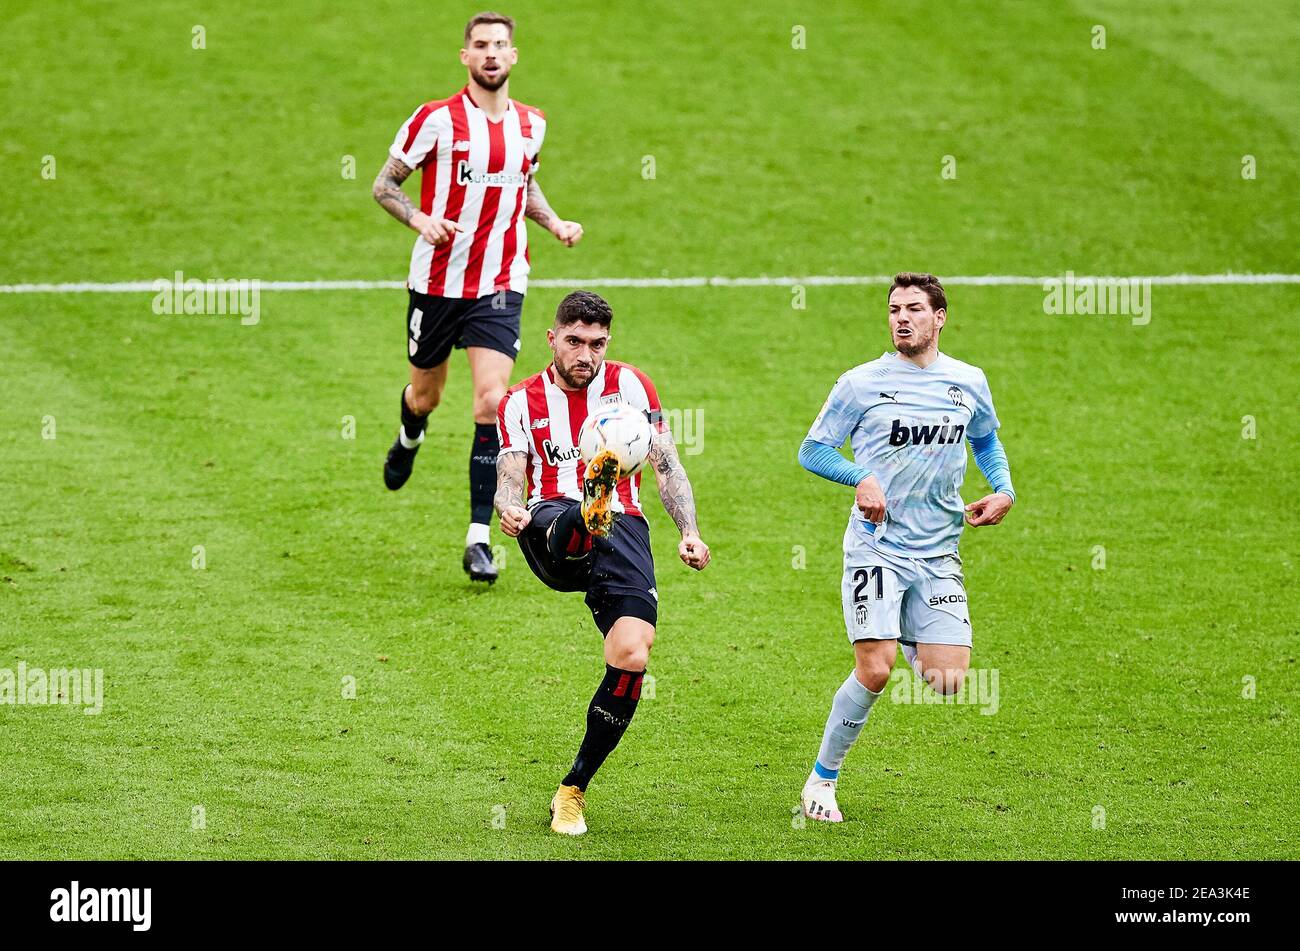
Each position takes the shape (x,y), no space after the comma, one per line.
(812,280)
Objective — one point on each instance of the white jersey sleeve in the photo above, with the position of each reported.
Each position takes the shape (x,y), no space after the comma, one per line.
(539,136)
(512,428)
(416,138)
(983,418)
(839,415)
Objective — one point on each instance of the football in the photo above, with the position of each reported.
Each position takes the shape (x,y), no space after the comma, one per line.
(621,428)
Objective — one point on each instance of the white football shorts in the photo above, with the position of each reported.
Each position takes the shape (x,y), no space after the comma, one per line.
(913,600)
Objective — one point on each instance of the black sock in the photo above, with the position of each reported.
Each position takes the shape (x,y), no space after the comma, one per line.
(608,717)
(412,424)
(483,473)
(568,538)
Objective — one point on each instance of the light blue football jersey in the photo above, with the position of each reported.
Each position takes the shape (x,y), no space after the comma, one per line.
(909,427)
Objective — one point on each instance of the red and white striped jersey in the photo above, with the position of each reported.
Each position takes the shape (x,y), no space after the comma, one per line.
(474,172)
(539,418)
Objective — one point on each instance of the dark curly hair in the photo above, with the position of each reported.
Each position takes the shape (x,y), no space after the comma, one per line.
(585,307)
(927,283)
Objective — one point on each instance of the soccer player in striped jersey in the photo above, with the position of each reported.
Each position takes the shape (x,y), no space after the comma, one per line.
(478,153)
(580,527)
(908,416)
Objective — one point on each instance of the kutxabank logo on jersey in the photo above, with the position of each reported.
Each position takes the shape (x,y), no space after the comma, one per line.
(466,174)
(555,455)
(943,434)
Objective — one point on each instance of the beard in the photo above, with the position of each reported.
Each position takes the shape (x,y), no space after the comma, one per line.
(914,344)
(491,85)
(574,376)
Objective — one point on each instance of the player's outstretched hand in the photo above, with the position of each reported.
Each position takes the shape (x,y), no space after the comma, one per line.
(434,230)
(871,500)
(514,519)
(694,552)
(569,232)
(989,510)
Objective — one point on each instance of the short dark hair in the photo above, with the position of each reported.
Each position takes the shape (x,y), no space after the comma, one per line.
(479,19)
(926,282)
(584,307)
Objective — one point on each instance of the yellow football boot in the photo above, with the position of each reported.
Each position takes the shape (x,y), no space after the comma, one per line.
(598,486)
(566,811)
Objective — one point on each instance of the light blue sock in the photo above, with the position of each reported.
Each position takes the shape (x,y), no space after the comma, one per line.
(849,711)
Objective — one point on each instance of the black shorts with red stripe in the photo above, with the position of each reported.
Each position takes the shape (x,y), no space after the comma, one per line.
(434,325)
(617,572)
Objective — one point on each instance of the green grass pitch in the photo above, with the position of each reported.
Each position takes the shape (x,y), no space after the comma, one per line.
(1147,709)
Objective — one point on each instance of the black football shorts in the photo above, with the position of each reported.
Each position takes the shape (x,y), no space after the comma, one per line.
(618,575)
(434,325)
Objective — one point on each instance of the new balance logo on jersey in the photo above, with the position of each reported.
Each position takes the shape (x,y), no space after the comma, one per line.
(461,145)
(555,456)
(541,423)
(900,435)
(466,175)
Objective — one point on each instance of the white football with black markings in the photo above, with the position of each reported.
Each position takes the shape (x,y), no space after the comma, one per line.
(620,428)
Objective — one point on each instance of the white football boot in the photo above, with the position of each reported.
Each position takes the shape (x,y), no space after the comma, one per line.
(818,800)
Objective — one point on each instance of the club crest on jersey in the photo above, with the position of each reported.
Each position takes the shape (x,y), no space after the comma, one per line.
(943,434)
(466,175)
(555,455)
(860,615)
(955,394)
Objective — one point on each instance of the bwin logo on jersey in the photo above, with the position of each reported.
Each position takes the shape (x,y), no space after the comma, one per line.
(900,435)
(554,455)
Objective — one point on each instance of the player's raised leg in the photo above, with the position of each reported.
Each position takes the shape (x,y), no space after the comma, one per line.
(873,661)
(627,651)
(490,370)
(419,398)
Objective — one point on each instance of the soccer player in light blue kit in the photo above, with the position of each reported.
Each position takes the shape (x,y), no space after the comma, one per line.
(908,415)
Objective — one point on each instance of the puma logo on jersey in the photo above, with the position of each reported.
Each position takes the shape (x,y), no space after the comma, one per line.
(900,435)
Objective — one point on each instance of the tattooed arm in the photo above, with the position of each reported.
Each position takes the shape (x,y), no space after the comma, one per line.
(388,192)
(678,499)
(509,500)
(540,210)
